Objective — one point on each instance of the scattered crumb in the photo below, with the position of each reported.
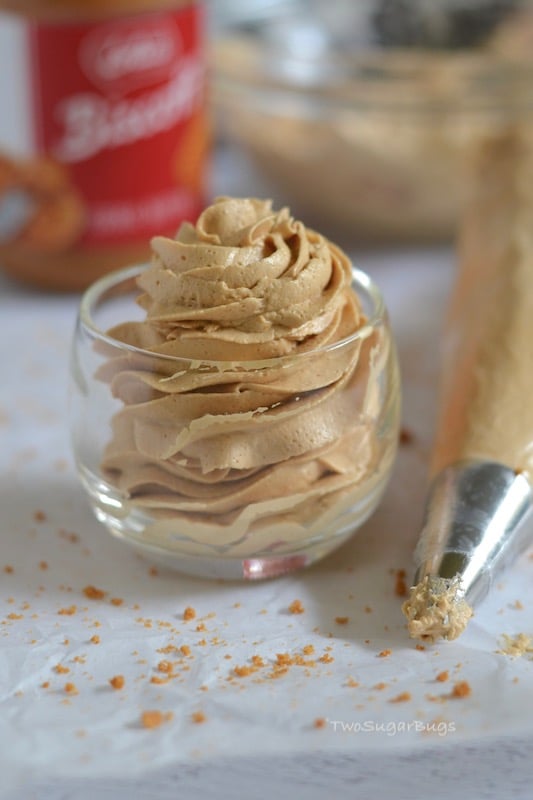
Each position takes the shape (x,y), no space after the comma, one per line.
(198,717)
(117,601)
(43,565)
(368,609)
(68,611)
(8,569)
(71,688)
(61,670)
(384,653)
(95,639)
(117,681)
(420,647)
(69,536)
(158,680)
(518,605)
(352,683)
(342,620)
(406,436)
(442,677)
(93,593)
(380,686)
(45,685)
(403,697)
(326,658)
(165,666)
(461,689)
(308,649)
(296,607)
(244,670)
(185,650)
(153,719)
(400,586)
(319,722)
(189,613)
(39,516)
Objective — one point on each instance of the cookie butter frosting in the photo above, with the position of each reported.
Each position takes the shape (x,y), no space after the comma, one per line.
(435,609)
(243,429)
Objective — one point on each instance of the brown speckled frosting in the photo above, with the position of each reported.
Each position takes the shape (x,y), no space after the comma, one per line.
(226,439)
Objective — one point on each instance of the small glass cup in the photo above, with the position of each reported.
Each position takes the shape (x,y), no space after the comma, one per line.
(249,483)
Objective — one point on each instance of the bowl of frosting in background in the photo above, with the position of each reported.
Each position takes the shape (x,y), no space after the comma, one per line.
(366,116)
(235,403)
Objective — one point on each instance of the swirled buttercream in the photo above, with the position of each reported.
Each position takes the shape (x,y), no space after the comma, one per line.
(250,393)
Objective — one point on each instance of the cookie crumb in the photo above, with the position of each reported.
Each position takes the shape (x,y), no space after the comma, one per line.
(198,717)
(117,681)
(406,436)
(8,569)
(71,688)
(189,613)
(342,620)
(461,689)
(68,611)
(352,683)
(319,722)
(443,676)
(39,516)
(384,653)
(400,586)
(243,671)
(403,697)
(95,639)
(296,607)
(93,593)
(153,719)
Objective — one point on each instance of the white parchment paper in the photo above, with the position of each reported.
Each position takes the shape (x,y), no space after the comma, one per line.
(368,686)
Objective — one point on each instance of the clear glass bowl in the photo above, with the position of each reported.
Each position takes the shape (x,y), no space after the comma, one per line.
(365,117)
(323,436)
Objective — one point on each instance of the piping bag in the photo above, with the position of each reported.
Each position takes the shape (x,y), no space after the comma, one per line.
(480,496)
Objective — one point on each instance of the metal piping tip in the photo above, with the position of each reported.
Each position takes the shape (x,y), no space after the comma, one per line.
(473,528)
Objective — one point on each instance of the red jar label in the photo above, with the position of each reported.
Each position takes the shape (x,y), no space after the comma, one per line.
(117,123)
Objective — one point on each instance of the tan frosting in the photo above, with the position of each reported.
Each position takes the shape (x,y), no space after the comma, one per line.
(487,368)
(435,609)
(252,443)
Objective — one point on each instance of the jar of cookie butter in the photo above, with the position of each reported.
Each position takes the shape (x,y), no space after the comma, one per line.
(103,134)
